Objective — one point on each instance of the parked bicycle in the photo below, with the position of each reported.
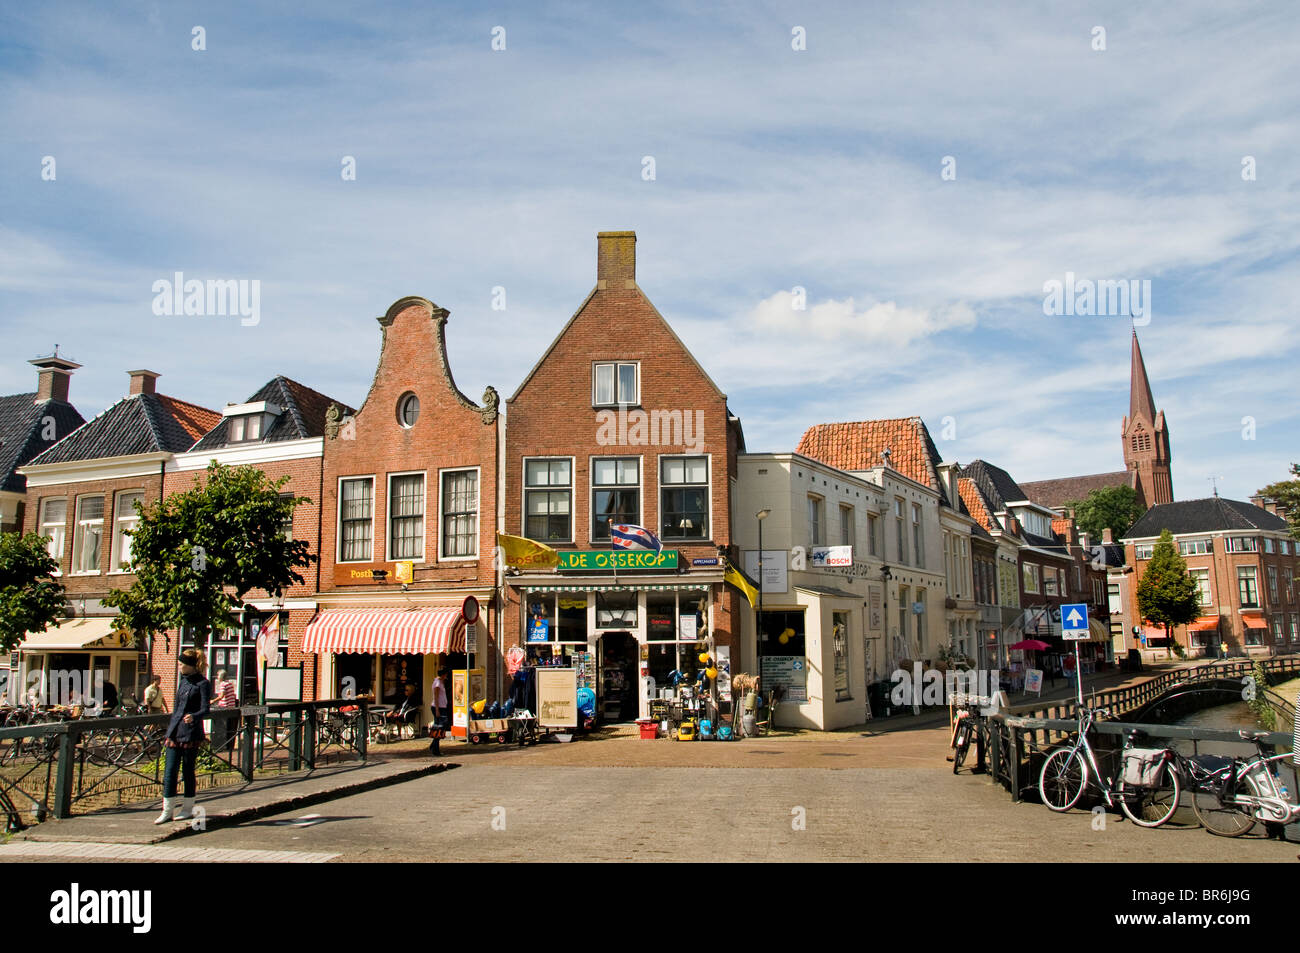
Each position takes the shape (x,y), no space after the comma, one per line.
(1244,792)
(1147,789)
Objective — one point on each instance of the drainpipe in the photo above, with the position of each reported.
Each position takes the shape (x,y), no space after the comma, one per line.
(499,569)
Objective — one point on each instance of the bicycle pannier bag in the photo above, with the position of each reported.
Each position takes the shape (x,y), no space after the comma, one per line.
(1142,766)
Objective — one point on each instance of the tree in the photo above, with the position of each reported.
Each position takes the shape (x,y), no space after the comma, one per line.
(30,597)
(197,553)
(1166,594)
(1286,493)
(1110,507)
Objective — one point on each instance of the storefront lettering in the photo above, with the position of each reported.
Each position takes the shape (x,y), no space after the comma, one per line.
(606,559)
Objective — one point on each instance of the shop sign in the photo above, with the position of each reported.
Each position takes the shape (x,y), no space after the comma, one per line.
(823,556)
(471,637)
(788,671)
(588,559)
(775,566)
(405,571)
(539,629)
(688,625)
(363,574)
(705,561)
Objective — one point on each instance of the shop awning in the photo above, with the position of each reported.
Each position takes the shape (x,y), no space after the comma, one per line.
(1204,624)
(416,631)
(592,587)
(1098,631)
(1254,622)
(72,634)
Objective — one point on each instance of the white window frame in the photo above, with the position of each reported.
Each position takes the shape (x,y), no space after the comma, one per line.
(78,541)
(1209,583)
(388,518)
(816,519)
(635,402)
(592,487)
(848,538)
(478,514)
(873,524)
(118,536)
(918,537)
(900,530)
(1143,550)
(549,488)
(339,519)
(659,500)
(62,531)
(1034,571)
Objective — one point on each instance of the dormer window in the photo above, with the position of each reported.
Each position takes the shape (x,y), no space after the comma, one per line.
(249,422)
(245,428)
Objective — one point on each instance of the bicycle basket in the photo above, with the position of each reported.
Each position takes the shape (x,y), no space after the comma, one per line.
(1142,766)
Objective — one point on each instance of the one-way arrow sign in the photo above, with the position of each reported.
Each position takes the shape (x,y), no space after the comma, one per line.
(1074,621)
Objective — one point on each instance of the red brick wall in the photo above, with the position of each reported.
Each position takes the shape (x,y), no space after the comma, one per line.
(552,416)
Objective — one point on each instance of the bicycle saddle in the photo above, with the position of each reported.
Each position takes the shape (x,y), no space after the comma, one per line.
(1252,735)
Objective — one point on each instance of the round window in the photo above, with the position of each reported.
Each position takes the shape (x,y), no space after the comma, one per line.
(408,410)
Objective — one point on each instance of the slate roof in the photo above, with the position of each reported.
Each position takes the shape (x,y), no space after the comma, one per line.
(995,483)
(1113,554)
(302,414)
(1204,516)
(22,422)
(1055,494)
(142,423)
(858,446)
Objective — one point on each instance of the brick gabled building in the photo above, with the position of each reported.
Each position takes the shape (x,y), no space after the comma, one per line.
(618,423)
(280,430)
(29,424)
(408,517)
(81,493)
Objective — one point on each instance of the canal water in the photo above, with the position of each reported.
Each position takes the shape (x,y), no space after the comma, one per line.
(1232,717)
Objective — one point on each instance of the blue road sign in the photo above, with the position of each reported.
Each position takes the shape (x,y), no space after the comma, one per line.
(1074,621)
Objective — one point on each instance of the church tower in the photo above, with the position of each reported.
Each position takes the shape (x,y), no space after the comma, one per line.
(1146,439)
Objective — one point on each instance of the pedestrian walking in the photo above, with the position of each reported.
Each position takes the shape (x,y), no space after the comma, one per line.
(185,734)
(441,712)
(153,696)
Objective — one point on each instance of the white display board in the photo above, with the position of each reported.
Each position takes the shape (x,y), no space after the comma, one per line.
(557,697)
(283,684)
(775,564)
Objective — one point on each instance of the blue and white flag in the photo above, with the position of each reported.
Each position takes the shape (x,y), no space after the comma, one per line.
(627,536)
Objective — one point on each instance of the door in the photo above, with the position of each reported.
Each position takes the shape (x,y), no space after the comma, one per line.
(616,685)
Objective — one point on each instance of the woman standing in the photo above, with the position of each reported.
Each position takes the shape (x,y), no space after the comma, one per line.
(185,734)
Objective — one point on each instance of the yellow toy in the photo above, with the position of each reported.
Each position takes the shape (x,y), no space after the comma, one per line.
(686,731)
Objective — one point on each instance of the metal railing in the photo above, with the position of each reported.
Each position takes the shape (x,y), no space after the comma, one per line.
(62,767)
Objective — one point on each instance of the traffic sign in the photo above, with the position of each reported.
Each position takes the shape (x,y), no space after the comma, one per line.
(1074,621)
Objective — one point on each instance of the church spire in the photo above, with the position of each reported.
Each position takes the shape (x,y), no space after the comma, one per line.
(1140,401)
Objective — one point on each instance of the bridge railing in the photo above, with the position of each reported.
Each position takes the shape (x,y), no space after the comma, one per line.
(1017,745)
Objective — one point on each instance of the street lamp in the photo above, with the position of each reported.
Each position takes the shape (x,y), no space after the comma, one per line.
(758,619)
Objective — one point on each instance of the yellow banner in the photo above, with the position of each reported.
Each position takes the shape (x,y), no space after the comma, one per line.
(526,553)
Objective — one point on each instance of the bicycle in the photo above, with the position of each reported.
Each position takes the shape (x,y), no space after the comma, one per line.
(1068,771)
(1243,793)
(966,729)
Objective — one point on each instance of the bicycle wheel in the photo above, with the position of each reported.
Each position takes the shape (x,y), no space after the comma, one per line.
(961,744)
(1151,806)
(1225,820)
(1062,780)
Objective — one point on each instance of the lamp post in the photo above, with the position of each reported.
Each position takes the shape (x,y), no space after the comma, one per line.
(758,618)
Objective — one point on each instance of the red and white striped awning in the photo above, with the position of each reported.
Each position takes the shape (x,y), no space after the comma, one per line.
(418,631)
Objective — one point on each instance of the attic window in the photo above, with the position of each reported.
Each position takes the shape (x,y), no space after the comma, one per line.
(244,429)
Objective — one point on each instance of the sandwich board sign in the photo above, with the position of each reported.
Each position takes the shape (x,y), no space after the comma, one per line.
(1074,622)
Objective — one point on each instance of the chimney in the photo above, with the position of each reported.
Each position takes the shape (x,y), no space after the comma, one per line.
(52,377)
(615,260)
(1108,535)
(142,382)
(948,477)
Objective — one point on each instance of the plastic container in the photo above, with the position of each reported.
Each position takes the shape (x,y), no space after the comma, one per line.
(649,730)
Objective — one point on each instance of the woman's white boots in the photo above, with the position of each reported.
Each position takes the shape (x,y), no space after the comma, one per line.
(170,804)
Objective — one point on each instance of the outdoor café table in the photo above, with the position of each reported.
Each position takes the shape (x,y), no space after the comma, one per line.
(379,718)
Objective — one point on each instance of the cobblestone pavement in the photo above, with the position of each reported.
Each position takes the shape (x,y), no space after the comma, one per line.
(499,812)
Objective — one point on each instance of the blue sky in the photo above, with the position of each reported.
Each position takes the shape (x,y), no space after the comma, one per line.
(775,168)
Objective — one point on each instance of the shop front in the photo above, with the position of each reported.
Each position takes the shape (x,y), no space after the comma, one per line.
(71,664)
(631,642)
(377,653)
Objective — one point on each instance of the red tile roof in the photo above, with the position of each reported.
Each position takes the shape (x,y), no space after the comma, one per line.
(193,419)
(974,500)
(1061,492)
(858,446)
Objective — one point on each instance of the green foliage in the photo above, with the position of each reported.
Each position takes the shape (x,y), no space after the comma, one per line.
(30,597)
(1287,493)
(1166,594)
(1258,702)
(1111,507)
(197,553)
